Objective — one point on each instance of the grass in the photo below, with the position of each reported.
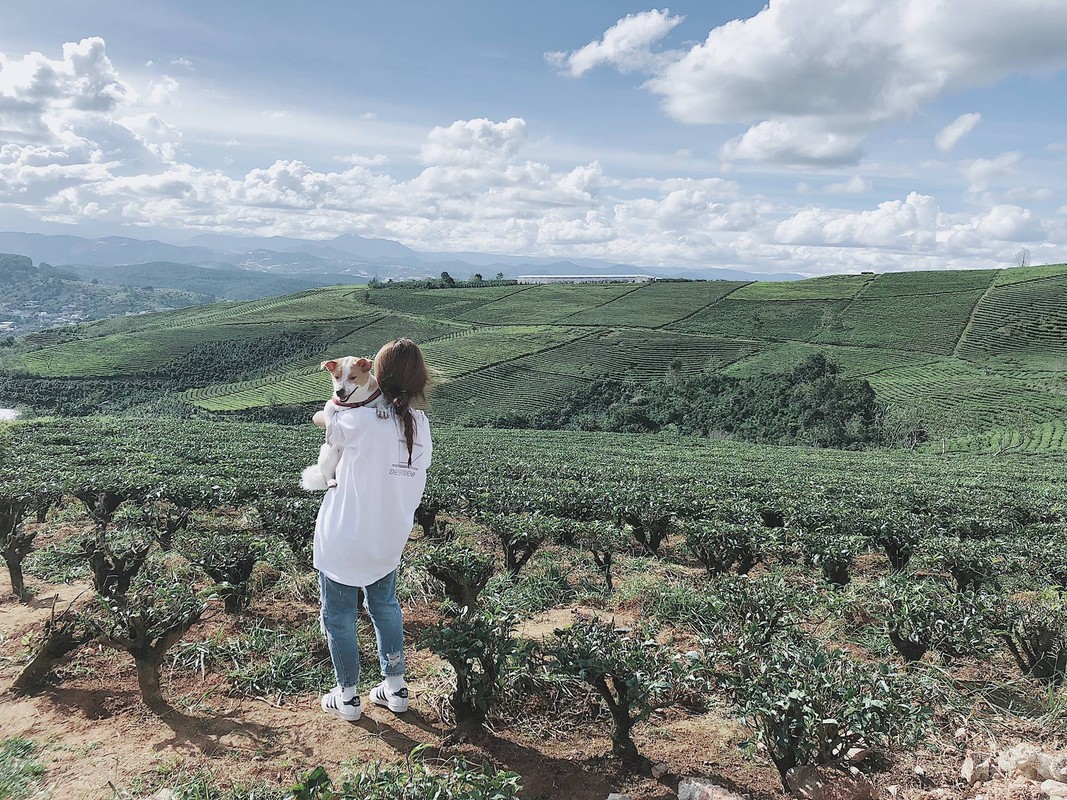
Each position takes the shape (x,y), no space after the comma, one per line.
(20,769)
(200,784)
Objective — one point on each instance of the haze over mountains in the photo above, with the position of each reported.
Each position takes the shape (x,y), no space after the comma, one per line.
(344,259)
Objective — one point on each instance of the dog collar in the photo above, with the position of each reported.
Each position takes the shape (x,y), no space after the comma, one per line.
(371,399)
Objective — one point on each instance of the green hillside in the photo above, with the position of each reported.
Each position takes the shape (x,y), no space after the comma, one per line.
(980,355)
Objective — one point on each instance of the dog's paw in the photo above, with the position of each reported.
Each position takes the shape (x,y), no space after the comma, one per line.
(382,412)
(331,483)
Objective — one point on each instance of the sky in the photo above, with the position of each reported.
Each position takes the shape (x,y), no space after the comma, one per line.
(810,136)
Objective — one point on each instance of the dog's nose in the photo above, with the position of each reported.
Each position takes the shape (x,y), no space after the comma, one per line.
(340,392)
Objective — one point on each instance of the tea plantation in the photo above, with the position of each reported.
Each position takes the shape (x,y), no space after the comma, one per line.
(978,354)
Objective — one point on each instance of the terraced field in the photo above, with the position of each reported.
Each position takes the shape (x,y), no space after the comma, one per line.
(967,397)
(479,348)
(645,354)
(545,304)
(441,303)
(855,362)
(1025,317)
(928,323)
(830,287)
(775,320)
(654,305)
(526,385)
(903,284)
(121,354)
(982,354)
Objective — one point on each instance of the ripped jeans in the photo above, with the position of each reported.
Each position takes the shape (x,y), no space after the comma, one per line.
(340,607)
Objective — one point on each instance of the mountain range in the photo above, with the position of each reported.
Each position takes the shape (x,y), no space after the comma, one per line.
(347,258)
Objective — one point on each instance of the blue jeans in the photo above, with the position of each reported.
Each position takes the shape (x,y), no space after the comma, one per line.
(340,607)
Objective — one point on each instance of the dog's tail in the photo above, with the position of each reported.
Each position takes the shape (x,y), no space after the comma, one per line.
(313,480)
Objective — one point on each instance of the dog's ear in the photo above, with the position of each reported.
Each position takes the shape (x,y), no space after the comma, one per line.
(330,365)
(364,365)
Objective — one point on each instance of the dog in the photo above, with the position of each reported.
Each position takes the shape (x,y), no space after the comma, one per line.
(354,386)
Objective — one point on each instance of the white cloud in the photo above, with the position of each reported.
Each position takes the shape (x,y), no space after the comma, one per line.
(813,77)
(475,142)
(626,45)
(1022,194)
(160,91)
(803,142)
(854,185)
(981,172)
(83,148)
(894,223)
(913,233)
(182,62)
(950,135)
(1007,223)
(39,97)
(365,161)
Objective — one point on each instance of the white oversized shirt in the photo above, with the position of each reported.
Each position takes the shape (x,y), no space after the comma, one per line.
(364,523)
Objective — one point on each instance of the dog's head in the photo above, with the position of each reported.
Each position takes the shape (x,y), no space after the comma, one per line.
(352,378)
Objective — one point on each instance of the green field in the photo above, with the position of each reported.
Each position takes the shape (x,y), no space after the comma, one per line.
(982,352)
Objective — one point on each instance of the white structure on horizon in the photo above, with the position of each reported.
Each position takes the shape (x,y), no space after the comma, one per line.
(584,279)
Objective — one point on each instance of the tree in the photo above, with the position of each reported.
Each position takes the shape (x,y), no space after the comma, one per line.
(1022,258)
(448,279)
(161,607)
(15,540)
(633,674)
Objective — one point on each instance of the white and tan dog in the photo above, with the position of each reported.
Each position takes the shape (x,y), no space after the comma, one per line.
(353,387)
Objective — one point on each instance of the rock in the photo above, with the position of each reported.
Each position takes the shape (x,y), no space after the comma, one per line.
(820,783)
(856,754)
(1054,788)
(164,794)
(1020,789)
(983,771)
(967,769)
(617,796)
(659,770)
(975,772)
(1027,761)
(704,789)
(961,734)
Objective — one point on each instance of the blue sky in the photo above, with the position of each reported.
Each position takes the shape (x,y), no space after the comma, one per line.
(811,135)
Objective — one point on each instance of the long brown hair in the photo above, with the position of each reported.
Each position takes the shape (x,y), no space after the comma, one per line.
(404,379)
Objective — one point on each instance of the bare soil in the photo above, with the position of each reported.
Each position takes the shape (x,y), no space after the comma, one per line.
(98,737)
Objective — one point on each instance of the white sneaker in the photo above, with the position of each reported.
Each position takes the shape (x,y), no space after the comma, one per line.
(348,710)
(394,701)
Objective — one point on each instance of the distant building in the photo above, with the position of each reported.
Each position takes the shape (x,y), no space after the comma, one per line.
(584,279)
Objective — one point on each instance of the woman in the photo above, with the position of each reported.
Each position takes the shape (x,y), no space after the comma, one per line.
(364,523)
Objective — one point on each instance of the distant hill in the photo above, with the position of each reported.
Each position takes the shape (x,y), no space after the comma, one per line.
(354,258)
(230,283)
(38,297)
(42,296)
(978,356)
